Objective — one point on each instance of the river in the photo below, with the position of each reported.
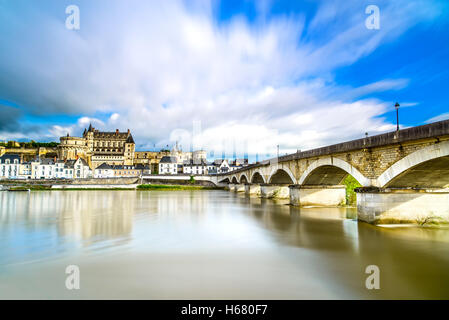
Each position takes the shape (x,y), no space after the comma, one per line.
(207,244)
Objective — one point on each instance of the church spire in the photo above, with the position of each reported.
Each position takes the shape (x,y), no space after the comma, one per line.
(90,128)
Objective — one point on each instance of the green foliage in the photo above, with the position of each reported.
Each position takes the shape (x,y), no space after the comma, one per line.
(94,189)
(192,180)
(33,144)
(31,187)
(29,145)
(351,183)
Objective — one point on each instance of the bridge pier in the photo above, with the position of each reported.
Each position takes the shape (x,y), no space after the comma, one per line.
(252,189)
(278,191)
(387,206)
(239,187)
(324,196)
(231,186)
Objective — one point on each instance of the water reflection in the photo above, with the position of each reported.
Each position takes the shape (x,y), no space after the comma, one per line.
(82,215)
(205,244)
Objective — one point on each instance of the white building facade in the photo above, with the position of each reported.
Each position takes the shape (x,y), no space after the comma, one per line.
(9,166)
(104,171)
(194,167)
(43,169)
(223,166)
(168,165)
(25,170)
(59,170)
(81,169)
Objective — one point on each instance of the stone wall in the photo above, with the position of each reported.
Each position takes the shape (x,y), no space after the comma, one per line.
(91,181)
(204,183)
(95,186)
(105,181)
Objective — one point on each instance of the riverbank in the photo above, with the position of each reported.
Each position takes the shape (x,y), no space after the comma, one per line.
(71,187)
(168,187)
(63,182)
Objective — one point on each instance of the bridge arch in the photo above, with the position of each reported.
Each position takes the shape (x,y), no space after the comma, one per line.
(226,180)
(281,175)
(257,177)
(331,170)
(234,180)
(427,167)
(243,178)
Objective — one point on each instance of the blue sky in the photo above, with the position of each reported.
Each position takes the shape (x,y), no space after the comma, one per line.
(233,76)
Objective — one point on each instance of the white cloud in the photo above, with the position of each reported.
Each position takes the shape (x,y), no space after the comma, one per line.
(59,131)
(379,86)
(84,122)
(441,117)
(114,117)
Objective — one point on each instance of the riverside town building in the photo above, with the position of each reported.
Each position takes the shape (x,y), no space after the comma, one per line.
(100,154)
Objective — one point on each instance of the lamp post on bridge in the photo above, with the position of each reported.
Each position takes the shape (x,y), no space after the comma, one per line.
(397,115)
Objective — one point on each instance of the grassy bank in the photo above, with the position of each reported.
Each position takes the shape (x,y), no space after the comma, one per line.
(167,187)
(30,187)
(94,189)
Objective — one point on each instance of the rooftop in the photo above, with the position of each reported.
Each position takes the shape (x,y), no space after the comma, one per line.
(104,166)
(10,157)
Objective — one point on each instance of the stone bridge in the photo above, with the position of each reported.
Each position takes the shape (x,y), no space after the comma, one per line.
(404,175)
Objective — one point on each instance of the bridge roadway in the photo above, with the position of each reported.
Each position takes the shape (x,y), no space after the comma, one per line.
(404,176)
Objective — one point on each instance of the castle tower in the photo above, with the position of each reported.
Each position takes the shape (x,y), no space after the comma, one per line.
(129,150)
(88,136)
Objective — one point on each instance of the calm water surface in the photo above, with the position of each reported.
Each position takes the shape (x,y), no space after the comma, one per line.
(207,245)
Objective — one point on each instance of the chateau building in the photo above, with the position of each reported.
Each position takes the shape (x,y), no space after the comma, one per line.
(98,147)
(71,147)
